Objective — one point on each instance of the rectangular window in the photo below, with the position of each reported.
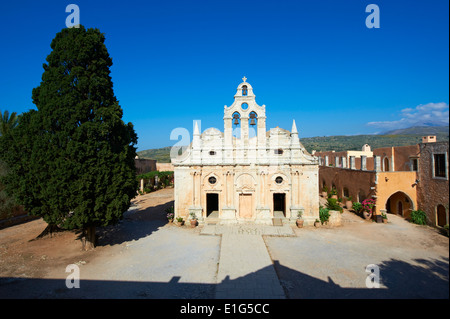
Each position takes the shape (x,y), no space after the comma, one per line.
(439,165)
(414,164)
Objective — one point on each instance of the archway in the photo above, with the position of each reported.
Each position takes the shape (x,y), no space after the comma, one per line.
(400,204)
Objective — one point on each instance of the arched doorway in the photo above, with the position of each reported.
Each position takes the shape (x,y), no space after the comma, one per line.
(400,204)
(441,215)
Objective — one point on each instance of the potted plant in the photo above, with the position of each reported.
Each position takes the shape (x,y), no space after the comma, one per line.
(332,204)
(299,220)
(193,219)
(357,207)
(348,202)
(324,215)
(367,206)
(170,215)
(317,223)
(333,193)
(384,217)
(180,221)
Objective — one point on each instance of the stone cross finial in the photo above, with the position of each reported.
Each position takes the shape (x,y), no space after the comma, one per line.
(244,78)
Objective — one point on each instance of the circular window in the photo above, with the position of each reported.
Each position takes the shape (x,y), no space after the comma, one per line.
(212,180)
(244,106)
(279,180)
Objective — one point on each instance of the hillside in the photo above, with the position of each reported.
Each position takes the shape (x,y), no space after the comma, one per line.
(420,130)
(328,143)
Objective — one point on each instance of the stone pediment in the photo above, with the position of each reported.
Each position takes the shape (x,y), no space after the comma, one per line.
(278,131)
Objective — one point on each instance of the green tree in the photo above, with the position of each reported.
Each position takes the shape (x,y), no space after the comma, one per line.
(8,122)
(72,159)
(7,204)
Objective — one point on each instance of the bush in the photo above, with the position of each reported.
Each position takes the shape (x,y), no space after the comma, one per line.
(368,205)
(418,217)
(332,204)
(324,214)
(357,207)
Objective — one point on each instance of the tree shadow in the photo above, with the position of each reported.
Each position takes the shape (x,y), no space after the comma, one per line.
(400,280)
(137,223)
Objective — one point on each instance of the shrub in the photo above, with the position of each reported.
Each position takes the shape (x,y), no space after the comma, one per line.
(332,204)
(357,206)
(368,205)
(418,217)
(324,214)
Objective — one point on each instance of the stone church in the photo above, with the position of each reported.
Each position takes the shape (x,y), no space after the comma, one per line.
(246,174)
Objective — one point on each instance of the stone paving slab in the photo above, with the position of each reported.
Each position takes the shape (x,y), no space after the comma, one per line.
(245,269)
(244,229)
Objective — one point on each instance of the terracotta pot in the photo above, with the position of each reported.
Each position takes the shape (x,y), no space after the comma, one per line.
(367,215)
(334,196)
(384,220)
(316,224)
(299,223)
(193,222)
(324,194)
(170,221)
(180,223)
(349,204)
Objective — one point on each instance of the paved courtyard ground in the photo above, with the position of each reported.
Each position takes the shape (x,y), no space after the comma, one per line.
(145,257)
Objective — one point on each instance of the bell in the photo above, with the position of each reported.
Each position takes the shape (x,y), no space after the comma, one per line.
(236,121)
(252,122)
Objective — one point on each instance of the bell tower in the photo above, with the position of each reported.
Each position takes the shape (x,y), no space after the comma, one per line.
(244,120)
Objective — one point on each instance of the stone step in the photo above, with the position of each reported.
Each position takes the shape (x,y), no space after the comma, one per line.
(277,221)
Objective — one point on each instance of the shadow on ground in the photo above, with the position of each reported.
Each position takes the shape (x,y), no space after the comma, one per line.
(400,280)
(136,224)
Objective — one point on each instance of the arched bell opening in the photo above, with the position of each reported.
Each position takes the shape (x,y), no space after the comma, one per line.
(252,124)
(236,120)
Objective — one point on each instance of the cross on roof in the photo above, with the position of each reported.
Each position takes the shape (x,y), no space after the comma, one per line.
(244,78)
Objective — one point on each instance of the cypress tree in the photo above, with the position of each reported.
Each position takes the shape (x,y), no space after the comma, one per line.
(72,159)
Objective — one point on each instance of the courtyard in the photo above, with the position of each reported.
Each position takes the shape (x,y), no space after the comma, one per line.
(146,257)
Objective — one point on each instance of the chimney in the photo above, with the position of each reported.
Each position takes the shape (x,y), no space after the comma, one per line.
(429,139)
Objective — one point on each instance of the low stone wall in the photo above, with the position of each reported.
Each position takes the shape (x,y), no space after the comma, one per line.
(335,218)
(164,167)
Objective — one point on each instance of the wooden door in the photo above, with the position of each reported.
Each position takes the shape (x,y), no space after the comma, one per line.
(245,206)
(441,216)
(400,208)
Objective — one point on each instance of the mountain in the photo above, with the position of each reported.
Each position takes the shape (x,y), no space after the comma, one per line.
(401,137)
(420,130)
(162,155)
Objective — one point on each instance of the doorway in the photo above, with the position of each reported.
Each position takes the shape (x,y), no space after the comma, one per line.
(212,203)
(245,206)
(441,215)
(279,203)
(400,208)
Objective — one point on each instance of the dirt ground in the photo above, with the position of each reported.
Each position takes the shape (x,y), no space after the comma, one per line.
(23,256)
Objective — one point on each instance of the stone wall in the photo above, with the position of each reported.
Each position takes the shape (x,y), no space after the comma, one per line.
(432,191)
(144,165)
(164,167)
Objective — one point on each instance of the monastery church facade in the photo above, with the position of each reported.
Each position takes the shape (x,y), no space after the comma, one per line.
(246,174)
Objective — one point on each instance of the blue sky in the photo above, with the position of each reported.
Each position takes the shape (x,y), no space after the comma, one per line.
(312,61)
